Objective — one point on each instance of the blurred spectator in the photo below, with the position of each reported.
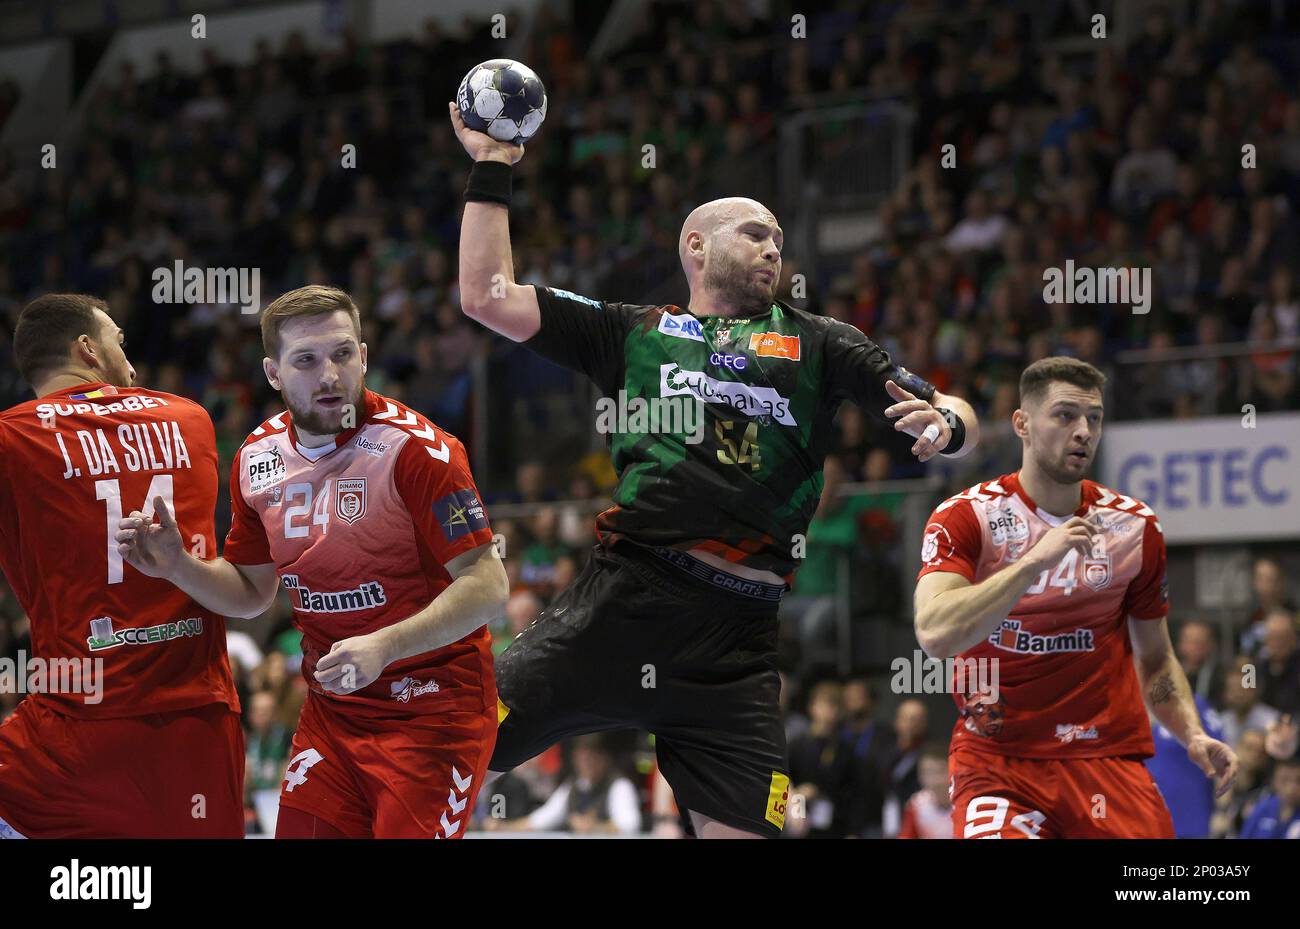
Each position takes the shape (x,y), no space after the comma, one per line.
(1198,653)
(267,744)
(928,813)
(516,794)
(1252,772)
(1279,668)
(1269,589)
(821,770)
(1243,710)
(866,737)
(898,762)
(1277,814)
(595,799)
(522,608)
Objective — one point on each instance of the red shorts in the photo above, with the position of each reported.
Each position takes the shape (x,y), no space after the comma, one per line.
(414,777)
(999,797)
(162,775)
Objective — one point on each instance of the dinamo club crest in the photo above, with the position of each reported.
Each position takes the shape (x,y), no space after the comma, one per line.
(350,499)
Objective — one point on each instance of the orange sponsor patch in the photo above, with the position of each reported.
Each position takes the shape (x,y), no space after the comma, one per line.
(774,345)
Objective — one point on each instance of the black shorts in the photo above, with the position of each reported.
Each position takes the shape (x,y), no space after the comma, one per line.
(638,643)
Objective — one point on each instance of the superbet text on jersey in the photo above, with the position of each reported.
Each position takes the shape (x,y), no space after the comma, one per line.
(359,531)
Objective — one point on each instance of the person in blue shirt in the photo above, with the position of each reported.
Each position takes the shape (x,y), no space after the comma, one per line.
(1188,793)
(1277,814)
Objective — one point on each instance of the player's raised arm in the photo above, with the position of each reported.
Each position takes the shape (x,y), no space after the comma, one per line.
(155,548)
(954,614)
(488,292)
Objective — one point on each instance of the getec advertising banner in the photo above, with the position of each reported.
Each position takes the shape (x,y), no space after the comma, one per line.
(1213,479)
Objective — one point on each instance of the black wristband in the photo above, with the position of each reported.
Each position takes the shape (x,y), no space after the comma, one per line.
(489,181)
(958,431)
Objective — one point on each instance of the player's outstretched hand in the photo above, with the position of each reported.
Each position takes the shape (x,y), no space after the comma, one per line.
(152,548)
(1215,759)
(480,145)
(915,415)
(1075,533)
(352,664)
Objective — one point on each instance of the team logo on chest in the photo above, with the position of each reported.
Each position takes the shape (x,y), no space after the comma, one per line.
(350,499)
(1096,567)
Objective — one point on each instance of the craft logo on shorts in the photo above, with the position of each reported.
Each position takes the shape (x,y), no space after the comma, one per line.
(1069,732)
(460,513)
(681,326)
(350,499)
(778,797)
(409,687)
(103,637)
(265,469)
(1012,638)
(774,345)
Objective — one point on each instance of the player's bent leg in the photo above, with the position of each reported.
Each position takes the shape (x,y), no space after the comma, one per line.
(1114,798)
(319,781)
(425,774)
(196,770)
(716,715)
(552,679)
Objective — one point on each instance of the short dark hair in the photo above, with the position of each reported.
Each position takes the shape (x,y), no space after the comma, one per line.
(48,326)
(1046,371)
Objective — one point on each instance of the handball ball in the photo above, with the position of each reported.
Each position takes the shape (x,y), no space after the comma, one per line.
(503,98)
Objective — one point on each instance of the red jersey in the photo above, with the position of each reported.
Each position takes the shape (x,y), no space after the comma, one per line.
(72,464)
(1066,685)
(359,531)
(924,817)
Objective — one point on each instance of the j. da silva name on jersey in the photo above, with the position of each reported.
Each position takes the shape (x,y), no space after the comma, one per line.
(154,446)
(1012,638)
(364,597)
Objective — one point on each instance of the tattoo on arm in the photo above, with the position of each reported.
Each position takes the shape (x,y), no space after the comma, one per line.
(1162,689)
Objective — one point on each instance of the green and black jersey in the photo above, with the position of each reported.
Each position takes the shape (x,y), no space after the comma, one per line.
(746,480)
